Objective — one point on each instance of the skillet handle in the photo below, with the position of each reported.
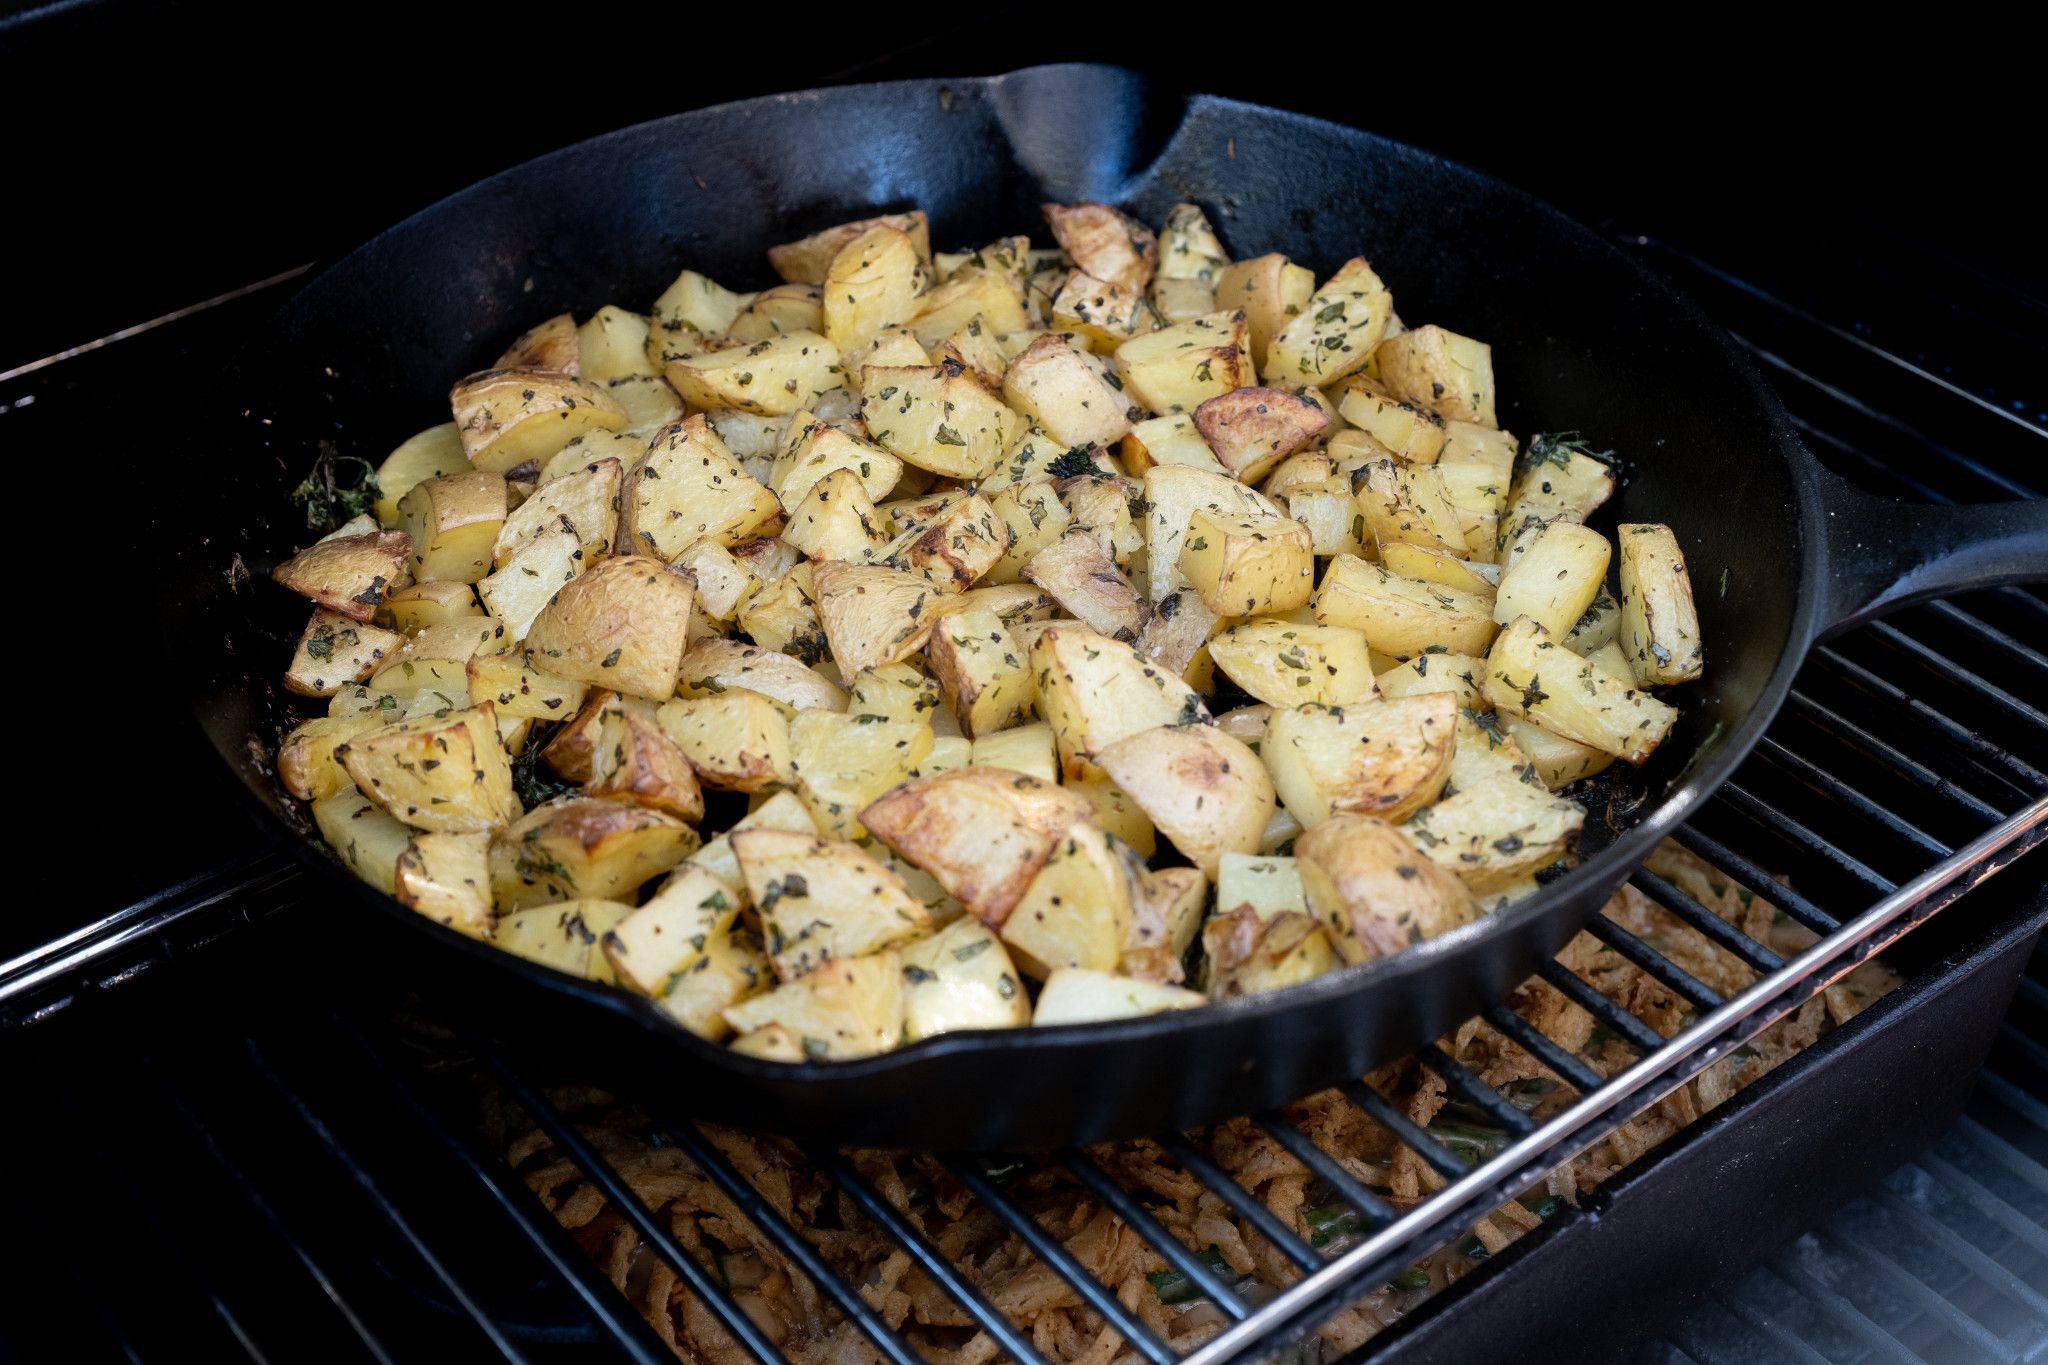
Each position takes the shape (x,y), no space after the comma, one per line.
(1883,555)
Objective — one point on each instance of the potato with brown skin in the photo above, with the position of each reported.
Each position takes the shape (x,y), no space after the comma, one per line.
(635,760)
(1660,627)
(846,1008)
(872,615)
(823,899)
(510,417)
(351,574)
(806,260)
(773,378)
(1055,386)
(1248,953)
(1271,290)
(1094,691)
(306,764)
(1177,634)
(954,549)
(1450,374)
(1084,579)
(622,624)
(572,753)
(982,832)
(447,878)
(738,739)
(448,773)
(334,650)
(713,666)
(1105,243)
(944,423)
(1104,314)
(1385,758)
(981,670)
(1248,564)
(1252,429)
(585,500)
(1203,790)
(1077,911)
(1166,914)
(577,846)
(1374,890)
(550,345)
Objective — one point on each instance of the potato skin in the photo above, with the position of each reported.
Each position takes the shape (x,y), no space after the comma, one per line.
(1204,790)
(982,832)
(1374,889)
(351,574)
(622,623)
(1105,243)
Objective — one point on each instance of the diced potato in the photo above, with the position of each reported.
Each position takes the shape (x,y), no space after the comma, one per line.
(1166,915)
(1406,506)
(1191,261)
(1461,675)
(844,761)
(584,500)
(1268,884)
(516,688)
(1493,835)
(982,670)
(350,574)
(622,624)
(809,259)
(1385,758)
(1025,749)
(1074,995)
(1271,291)
(1252,429)
(873,282)
(941,422)
(700,304)
(508,418)
(1411,431)
(811,449)
(960,978)
(1100,313)
(634,760)
(1010,255)
(1205,791)
(873,615)
(1557,577)
(994,296)
(367,840)
(1178,368)
(821,900)
(578,846)
(611,345)
(1447,373)
(1402,617)
(447,877)
(1335,331)
(1558,761)
(1376,892)
(1331,514)
(1034,518)
(564,937)
(653,947)
(1094,691)
(306,764)
(1598,628)
(737,739)
(719,577)
(454,521)
(648,402)
(1084,579)
(974,351)
(835,519)
(779,613)
(954,549)
(849,1008)
(984,832)
(774,377)
(1477,467)
(785,309)
(1530,674)
(517,593)
(429,455)
(335,649)
(1117,813)
(1559,478)
(1660,628)
(780,810)
(426,604)
(688,488)
(1107,244)
(437,657)
(1102,507)
(1248,564)
(1169,440)
(447,773)
(896,692)
(1076,911)
(1248,953)
(1057,389)
(548,345)
(1173,494)
(1284,663)
(732,968)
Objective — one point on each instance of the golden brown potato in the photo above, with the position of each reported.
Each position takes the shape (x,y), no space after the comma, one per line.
(778,311)
(446,773)
(873,615)
(1557,577)
(689,488)
(983,832)
(447,877)
(872,283)
(336,649)
(806,260)
(1057,388)
(1248,954)
(351,575)
(1385,758)
(823,899)
(430,454)
(774,377)
(974,351)
(652,948)
(711,667)
(1450,374)
(1094,691)
(508,418)
(1084,579)
(1248,564)
(1107,244)
(1498,832)
(1407,505)
(846,1008)
(1335,331)
(835,519)
(634,760)
(1252,429)
(1203,790)
(1374,889)
(1173,494)
(945,423)
(566,937)
(621,624)
(811,449)
(584,500)
(1530,674)
(995,296)
(453,521)
(844,761)
(1660,627)
(1169,440)
(549,345)
(511,683)
(1191,262)
(738,739)
(1166,915)
(1271,291)
(981,669)
(1409,430)
(1402,617)
(1102,314)
(306,764)
(954,549)
(960,978)
(1077,911)
(575,847)
(1286,663)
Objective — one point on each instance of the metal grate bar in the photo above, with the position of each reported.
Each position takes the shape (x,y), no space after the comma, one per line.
(1654,964)
(662,1241)
(928,1257)
(1955,673)
(1413,1135)
(1855,736)
(1119,1201)
(1610,1016)
(1754,876)
(1326,1168)
(1996,759)
(1971,624)
(1886,473)
(1047,1248)
(1953,1245)
(2015,1162)
(2015,1099)
(1710,926)
(1910,1286)
(1835,788)
(1197,1163)
(1460,1081)
(1788,1344)
(1539,1045)
(1837,1307)
(1985,1203)
(1797,832)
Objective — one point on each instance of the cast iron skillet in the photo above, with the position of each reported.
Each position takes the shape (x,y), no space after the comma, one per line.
(1781,551)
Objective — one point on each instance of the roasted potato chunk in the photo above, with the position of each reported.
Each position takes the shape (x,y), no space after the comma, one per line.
(306,764)
(737,739)
(1660,628)
(1078,995)
(446,876)
(1492,835)
(1556,579)
(808,259)
(508,418)
(612,345)
(634,760)
(1173,494)
(368,841)
(835,519)
(1104,314)
(1252,429)
(585,501)
(1057,389)
(844,761)
(1170,440)
(713,667)
(1203,790)
(945,423)
(690,488)
(873,615)
(984,832)
(1178,368)
(1083,578)
(821,900)
(1248,564)
(846,1008)
(1271,291)
(1107,244)
(1285,663)
(1402,617)
(773,377)
(954,549)
(1077,911)
(577,846)
(454,521)
(960,978)
(565,937)
(350,575)
(1334,333)
(1529,674)
(517,593)
(447,773)
(1248,953)
(426,604)
(1409,430)
(1451,375)
(812,449)
(430,454)
(732,968)
(1385,758)
(981,669)
(1094,691)
(872,283)
(1191,262)
(622,624)
(513,685)
(1375,891)
(337,649)
(652,948)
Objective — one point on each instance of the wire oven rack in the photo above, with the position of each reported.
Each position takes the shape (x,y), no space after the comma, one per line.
(1911,763)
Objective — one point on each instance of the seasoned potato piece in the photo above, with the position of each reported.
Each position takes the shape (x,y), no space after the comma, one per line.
(720,578)
(367,840)
(771,1043)
(984,832)
(426,604)
(1450,374)
(1166,915)
(711,667)
(872,283)
(450,773)
(1077,911)
(1191,261)
(517,593)
(565,937)
(954,549)
(775,376)
(808,259)
(1170,440)
(447,877)
(650,949)
(785,309)
(1056,387)
(1402,617)
(1173,494)
(873,615)
(1176,638)
(779,810)
(699,304)
(1248,954)
(994,296)
(578,846)
(779,613)
(1477,467)
(846,1008)
(1335,331)
(1009,255)
(454,521)
(1461,675)
(941,422)
(1492,835)
(507,418)
(1252,429)
(1182,367)
(548,345)
(960,978)
(738,739)
(306,764)
(981,669)
(1268,884)
(429,455)
(349,574)
(821,900)
(585,501)
(732,968)
(1432,566)
(1248,564)
(1409,430)
(1284,663)
(1103,314)
(1558,761)
(1529,674)
(1118,814)
(437,657)
(890,346)
(572,753)
(689,487)
(1386,758)
(1034,517)
(1109,245)
(634,760)
(1598,628)
(812,449)
(612,345)
(336,649)
(1375,890)
(1331,514)
(1077,995)
(648,402)
(1660,629)
(1094,691)
(1559,477)
(974,351)
(1271,291)
(844,761)
(1407,506)
(1026,749)
(835,519)
(1084,579)
(896,692)
(1203,790)
(1557,577)
(622,624)
(516,688)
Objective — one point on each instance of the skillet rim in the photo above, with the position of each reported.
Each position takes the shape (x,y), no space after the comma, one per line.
(1609,866)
